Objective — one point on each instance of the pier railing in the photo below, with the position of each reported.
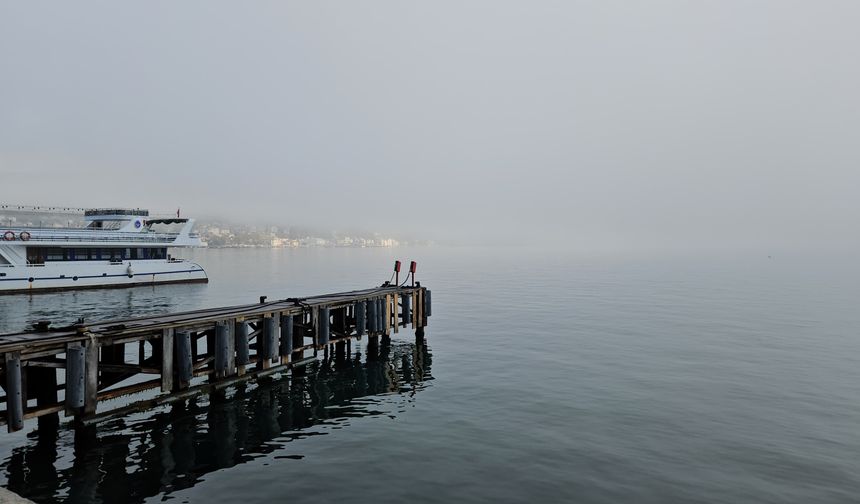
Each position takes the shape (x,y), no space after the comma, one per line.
(70,370)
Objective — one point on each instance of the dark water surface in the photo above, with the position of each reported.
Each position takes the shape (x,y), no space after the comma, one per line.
(552,379)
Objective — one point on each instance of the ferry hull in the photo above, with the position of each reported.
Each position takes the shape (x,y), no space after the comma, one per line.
(98,275)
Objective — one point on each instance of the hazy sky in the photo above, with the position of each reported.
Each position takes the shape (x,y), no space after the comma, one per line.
(598,124)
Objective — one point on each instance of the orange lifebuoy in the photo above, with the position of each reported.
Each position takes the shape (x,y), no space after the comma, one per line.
(24,236)
(8,236)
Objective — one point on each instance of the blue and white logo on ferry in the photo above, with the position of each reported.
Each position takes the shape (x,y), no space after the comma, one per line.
(137,224)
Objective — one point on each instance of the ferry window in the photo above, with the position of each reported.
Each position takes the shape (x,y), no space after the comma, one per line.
(54,254)
(35,255)
(82,254)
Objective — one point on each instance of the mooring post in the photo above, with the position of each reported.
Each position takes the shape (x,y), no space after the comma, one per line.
(220,350)
(167,360)
(14,392)
(75,378)
(360,319)
(323,327)
(286,347)
(91,389)
(243,356)
(183,356)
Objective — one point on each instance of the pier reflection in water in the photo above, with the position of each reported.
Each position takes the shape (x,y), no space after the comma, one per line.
(157,452)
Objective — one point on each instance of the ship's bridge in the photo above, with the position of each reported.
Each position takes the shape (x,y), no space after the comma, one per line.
(117,219)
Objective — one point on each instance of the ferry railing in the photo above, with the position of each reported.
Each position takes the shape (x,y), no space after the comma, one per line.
(85,235)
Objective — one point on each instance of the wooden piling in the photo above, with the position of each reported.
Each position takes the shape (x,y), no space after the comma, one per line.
(184,358)
(286,346)
(243,354)
(91,387)
(373,319)
(267,349)
(405,309)
(391,314)
(14,392)
(360,319)
(220,350)
(167,360)
(323,328)
(75,378)
(43,382)
(415,308)
(427,312)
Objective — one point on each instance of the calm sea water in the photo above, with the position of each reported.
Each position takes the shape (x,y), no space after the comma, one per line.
(544,378)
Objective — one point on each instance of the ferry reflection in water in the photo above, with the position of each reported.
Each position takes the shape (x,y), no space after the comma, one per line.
(127,460)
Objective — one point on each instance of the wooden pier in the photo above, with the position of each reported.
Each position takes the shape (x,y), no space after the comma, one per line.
(70,370)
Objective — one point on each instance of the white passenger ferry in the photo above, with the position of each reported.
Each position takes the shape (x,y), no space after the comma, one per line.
(117,248)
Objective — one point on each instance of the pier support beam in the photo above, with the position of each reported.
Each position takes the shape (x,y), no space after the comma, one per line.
(406,309)
(372,319)
(184,359)
(220,350)
(268,348)
(383,311)
(299,338)
(390,319)
(167,360)
(286,346)
(323,327)
(242,352)
(75,378)
(42,383)
(14,392)
(91,389)
(360,319)
(427,312)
